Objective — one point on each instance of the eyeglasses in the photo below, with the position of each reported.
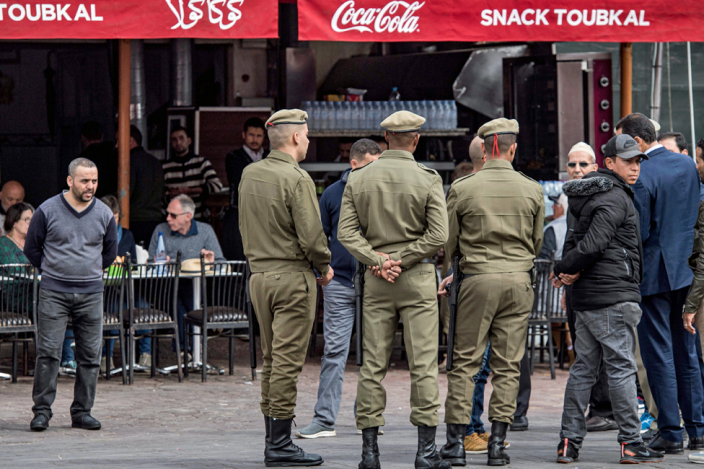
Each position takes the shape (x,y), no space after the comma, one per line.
(582,164)
(174,215)
(26,220)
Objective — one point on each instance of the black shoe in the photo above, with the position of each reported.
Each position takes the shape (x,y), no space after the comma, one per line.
(636,453)
(370,449)
(86,422)
(649,435)
(695,444)
(601,424)
(662,445)
(427,456)
(453,452)
(567,451)
(495,447)
(281,451)
(520,424)
(40,422)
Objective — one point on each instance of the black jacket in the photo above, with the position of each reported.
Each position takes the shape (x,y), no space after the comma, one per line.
(235,162)
(605,245)
(146,187)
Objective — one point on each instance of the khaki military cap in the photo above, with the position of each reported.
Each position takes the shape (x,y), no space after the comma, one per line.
(287,116)
(403,121)
(497,127)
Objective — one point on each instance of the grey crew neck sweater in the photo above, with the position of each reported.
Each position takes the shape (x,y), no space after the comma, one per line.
(71,248)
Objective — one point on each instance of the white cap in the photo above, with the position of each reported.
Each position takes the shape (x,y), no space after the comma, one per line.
(581,146)
(656,125)
(562,200)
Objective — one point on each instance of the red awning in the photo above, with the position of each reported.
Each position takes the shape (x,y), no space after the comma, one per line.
(138,19)
(501,20)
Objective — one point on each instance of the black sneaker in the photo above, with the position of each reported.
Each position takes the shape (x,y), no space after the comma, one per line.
(567,452)
(637,453)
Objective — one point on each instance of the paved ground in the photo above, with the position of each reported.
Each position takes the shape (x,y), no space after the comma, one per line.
(160,423)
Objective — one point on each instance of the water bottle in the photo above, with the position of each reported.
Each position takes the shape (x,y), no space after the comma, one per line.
(376,115)
(354,115)
(395,95)
(315,121)
(362,117)
(443,114)
(324,116)
(453,114)
(160,257)
(432,115)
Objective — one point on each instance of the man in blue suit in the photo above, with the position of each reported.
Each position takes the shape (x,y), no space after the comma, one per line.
(667,200)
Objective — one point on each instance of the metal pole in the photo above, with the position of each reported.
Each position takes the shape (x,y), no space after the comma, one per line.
(691,100)
(656,94)
(626,78)
(123,133)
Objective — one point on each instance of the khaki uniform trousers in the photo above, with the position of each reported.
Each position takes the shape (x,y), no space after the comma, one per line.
(284,303)
(494,308)
(413,298)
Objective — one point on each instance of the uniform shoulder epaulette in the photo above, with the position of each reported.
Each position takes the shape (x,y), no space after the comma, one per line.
(462,178)
(425,168)
(301,171)
(530,179)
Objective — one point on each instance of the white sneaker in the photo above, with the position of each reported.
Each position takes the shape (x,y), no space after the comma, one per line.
(697,458)
(145,360)
(315,430)
(103,365)
(380,432)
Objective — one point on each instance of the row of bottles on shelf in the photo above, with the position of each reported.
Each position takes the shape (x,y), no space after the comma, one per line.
(367,115)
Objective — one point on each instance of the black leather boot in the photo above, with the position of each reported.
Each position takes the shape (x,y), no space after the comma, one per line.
(453,451)
(370,449)
(497,456)
(427,456)
(281,451)
(267,431)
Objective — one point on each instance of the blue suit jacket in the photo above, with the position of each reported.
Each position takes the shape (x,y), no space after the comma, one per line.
(667,200)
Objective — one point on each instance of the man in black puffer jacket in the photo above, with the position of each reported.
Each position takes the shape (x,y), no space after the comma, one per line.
(603,261)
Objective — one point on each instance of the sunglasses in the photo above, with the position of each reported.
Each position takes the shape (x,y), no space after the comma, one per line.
(174,215)
(582,164)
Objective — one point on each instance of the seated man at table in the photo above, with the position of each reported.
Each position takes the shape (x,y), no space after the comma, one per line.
(182,233)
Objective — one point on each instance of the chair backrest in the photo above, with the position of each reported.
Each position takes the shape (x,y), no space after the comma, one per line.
(224,288)
(544,301)
(114,294)
(18,296)
(153,291)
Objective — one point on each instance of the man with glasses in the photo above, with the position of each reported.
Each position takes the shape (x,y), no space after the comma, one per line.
(581,161)
(182,233)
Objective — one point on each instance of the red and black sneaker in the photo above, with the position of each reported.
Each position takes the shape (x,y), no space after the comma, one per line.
(567,451)
(637,453)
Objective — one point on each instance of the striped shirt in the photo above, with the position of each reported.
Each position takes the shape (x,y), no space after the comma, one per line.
(192,171)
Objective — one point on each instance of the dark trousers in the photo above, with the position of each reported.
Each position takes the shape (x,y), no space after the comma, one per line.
(54,311)
(670,358)
(142,232)
(184,305)
(599,401)
(524,388)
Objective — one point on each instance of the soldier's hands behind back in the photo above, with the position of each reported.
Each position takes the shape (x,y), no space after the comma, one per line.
(390,270)
(324,281)
(443,291)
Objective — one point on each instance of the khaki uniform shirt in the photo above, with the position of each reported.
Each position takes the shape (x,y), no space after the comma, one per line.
(400,208)
(496,220)
(280,219)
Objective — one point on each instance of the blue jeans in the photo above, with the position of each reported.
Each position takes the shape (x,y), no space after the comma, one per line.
(670,358)
(67,354)
(143,345)
(607,334)
(337,330)
(480,379)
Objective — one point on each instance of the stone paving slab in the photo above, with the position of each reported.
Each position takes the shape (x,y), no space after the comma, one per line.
(160,423)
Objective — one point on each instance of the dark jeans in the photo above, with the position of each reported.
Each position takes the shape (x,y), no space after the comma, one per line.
(480,379)
(54,311)
(599,401)
(607,334)
(184,305)
(670,358)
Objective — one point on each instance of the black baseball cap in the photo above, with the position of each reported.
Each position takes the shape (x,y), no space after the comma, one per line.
(623,146)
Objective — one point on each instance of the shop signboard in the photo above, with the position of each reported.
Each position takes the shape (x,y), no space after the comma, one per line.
(138,19)
(500,21)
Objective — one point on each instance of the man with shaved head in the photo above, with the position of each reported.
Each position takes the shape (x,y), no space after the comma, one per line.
(12,193)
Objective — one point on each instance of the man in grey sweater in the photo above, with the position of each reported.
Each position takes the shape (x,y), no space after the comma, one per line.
(71,239)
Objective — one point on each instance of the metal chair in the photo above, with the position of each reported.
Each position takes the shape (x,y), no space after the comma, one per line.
(18,308)
(156,288)
(223,299)
(540,319)
(114,301)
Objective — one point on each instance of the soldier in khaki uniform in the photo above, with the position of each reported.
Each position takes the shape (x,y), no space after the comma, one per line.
(400,208)
(283,240)
(496,227)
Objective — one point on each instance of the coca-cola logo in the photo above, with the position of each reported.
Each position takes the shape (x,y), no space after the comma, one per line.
(396,16)
(224,13)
